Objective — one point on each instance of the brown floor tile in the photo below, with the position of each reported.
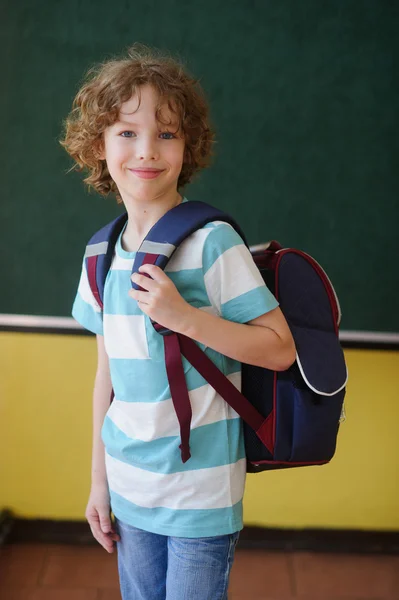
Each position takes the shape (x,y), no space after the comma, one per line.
(21,564)
(48,594)
(110,595)
(260,574)
(80,567)
(335,576)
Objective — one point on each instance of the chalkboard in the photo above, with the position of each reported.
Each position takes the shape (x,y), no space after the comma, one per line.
(304,100)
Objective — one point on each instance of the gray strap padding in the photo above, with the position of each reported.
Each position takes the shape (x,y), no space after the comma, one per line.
(96,249)
(157,248)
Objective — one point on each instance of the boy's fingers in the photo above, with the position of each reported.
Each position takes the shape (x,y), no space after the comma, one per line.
(144,281)
(105,523)
(102,538)
(96,530)
(97,525)
(155,272)
(139,296)
(99,520)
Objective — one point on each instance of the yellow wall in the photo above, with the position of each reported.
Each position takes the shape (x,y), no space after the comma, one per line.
(45,442)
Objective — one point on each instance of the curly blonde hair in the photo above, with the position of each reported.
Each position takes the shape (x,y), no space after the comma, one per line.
(108,85)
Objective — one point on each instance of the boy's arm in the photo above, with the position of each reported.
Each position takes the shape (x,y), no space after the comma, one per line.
(265,341)
(101,402)
(98,506)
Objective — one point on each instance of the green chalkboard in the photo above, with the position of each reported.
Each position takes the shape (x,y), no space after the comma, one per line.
(304,98)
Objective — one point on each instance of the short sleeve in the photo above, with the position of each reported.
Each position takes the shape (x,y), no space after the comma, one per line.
(86,309)
(233,282)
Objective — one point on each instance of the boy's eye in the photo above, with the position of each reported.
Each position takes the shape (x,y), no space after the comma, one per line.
(168,133)
(129,134)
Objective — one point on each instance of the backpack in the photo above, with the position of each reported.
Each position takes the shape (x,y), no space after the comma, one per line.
(291,418)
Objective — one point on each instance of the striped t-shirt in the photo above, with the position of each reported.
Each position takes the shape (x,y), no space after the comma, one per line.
(150,487)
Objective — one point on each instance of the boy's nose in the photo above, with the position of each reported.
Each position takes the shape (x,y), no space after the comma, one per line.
(147,150)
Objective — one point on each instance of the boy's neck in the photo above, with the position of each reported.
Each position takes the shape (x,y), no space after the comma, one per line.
(142,216)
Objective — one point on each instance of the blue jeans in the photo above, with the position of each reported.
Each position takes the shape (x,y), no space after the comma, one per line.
(160,567)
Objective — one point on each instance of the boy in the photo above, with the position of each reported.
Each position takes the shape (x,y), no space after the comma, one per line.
(140,126)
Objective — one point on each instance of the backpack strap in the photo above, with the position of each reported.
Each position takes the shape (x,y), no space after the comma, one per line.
(173,228)
(99,253)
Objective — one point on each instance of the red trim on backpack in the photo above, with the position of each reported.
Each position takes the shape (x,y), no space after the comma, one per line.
(91,275)
(322,276)
(276,274)
(274,411)
(286,462)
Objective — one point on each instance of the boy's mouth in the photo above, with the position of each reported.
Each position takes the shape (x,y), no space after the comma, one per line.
(147,173)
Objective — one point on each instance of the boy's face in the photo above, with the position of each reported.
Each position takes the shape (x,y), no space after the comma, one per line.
(144,157)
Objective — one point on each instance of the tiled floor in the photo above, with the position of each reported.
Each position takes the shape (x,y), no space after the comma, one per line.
(55,572)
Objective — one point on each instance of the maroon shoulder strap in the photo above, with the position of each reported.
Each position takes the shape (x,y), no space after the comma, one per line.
(178,344)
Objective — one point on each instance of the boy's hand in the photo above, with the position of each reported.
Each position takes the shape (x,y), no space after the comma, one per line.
(161,301)
(98,515)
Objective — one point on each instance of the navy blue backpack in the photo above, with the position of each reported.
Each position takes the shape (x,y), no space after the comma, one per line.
(291,418)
